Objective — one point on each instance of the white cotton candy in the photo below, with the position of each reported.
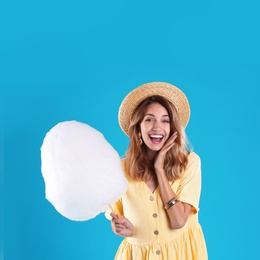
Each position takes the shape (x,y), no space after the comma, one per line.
(81,170)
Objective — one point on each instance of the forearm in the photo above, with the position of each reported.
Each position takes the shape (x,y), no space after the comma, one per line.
(179,212)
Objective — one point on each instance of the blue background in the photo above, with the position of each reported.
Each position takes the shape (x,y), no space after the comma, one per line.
(64,60)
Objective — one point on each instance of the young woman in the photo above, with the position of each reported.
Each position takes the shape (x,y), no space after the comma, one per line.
(158,215)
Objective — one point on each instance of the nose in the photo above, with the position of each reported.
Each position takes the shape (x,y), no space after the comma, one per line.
(156,126)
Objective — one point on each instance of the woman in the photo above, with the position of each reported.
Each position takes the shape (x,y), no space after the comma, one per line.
(158,215)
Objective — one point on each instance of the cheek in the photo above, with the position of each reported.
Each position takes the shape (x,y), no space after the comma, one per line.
(143,132)
(168,130)
(143,129)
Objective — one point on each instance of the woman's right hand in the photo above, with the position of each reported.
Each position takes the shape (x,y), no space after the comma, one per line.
(121,226)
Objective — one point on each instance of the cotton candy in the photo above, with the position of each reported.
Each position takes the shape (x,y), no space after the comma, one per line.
(81,170)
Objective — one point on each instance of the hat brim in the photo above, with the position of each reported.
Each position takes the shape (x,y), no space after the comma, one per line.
(166,90)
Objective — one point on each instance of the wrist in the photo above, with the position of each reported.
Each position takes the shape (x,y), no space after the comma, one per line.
(159,171)
(171,203)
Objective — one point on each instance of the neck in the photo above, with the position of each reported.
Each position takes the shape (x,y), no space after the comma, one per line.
(151,155)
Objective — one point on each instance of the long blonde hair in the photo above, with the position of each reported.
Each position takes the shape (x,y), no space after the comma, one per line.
(136,158)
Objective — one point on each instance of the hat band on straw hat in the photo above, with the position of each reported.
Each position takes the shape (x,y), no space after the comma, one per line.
(166,90)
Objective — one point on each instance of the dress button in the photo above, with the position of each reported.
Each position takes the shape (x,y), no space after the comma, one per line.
(158,252)
(155,215)
(156,232)
(151,198)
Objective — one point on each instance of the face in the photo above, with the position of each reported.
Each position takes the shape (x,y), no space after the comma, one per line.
(155,127)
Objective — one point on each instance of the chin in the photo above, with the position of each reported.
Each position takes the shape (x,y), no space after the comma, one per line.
(155,149)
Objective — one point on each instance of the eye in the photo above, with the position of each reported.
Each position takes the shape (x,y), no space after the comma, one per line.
(148,119)
(166,121)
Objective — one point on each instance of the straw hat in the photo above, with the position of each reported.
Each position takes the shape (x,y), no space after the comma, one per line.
(166,90)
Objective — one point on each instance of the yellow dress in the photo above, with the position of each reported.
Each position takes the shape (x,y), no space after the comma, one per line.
(153,239)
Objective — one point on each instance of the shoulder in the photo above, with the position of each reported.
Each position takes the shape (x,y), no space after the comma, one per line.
(194,162)
(193,157)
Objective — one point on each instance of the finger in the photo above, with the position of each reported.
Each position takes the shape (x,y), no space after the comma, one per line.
(171,141)
(173,136)
(168,146)
(118,230)
(115,217)
(116,221)
(119,226)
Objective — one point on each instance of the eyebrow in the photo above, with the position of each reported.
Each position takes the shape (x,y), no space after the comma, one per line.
(154,115)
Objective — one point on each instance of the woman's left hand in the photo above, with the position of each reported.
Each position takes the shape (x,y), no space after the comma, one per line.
(159,160)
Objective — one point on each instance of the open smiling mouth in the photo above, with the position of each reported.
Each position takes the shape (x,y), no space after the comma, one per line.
(156,139)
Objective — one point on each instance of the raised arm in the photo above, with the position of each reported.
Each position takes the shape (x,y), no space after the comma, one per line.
(177,211)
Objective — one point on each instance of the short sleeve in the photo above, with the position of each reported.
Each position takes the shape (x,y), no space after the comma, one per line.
(117,209)
(190,183)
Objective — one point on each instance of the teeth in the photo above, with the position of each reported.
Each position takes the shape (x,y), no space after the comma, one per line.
(156,136)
